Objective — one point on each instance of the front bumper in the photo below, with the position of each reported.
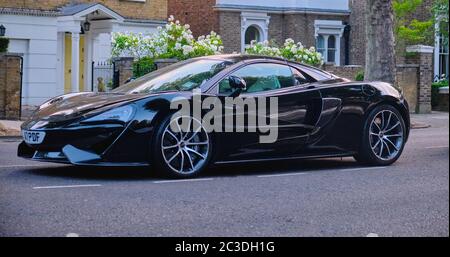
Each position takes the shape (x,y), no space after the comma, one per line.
(102,145)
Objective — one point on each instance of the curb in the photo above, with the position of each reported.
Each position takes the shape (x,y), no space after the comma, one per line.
(9,133)
(10,137)
(419,125)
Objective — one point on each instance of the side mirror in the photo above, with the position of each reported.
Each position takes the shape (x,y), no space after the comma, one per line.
(237,84)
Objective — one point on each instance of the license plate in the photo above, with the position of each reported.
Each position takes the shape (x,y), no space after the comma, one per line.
(33,137)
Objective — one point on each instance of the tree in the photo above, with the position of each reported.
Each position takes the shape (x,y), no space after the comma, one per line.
(407,29)
(440,16)
(380,43)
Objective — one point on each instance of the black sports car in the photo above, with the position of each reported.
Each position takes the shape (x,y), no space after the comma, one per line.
(319,115)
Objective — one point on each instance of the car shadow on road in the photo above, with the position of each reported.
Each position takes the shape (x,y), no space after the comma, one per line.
(278,167)
(222,170)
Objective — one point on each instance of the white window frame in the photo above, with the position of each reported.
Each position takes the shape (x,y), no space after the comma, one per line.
(327,28)
(257,20)
(326,48)
(257,29)
(439,54)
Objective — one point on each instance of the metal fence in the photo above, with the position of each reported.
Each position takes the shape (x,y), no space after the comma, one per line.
(104,76)
(440,77)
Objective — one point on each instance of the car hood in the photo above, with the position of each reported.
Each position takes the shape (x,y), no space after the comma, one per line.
(66,108)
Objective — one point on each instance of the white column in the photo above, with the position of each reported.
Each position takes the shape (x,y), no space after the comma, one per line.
(243,29)
(75,62)
(88,47)
(338,50)
(60,63)
(436,50)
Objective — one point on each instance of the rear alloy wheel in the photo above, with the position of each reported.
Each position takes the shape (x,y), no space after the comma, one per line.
(384,137)
(184,152)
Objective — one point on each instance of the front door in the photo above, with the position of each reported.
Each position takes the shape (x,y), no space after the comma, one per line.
(298,111)
(68,63)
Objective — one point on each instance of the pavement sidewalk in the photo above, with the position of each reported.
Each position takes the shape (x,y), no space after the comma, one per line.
(10,127)
(418,121)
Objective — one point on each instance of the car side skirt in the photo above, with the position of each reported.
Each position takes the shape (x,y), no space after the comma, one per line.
(289,158)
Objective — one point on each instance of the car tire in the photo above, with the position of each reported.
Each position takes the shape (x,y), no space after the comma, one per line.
(384,137)
(180,155)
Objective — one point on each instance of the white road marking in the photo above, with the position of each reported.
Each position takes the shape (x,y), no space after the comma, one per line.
(427,135)
(25,165)
(437,146)
(67,186)
(281,175)
(372,235)
(72,235)
(439,118)
(364,168)
(182,180)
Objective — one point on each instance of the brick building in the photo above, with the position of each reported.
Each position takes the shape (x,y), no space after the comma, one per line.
(336,28)
(239,22)
(60,39)
(199,14)
(132,9)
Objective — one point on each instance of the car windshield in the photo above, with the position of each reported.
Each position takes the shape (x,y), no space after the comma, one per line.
(182,76)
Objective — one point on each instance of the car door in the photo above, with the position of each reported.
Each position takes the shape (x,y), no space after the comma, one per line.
(299,106)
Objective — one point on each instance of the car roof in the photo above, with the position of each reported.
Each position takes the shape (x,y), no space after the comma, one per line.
(236,58)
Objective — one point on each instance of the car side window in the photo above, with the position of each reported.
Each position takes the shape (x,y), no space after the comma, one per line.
(261,77)
(301,78)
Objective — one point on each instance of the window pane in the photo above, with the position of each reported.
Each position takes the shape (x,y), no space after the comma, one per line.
(299,77)
(331,56)
(331,42)
(262,77)
(443,65)
(443,45)
(320,44)
(252,33)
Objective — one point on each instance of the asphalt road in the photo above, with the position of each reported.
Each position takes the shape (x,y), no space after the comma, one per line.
(326,197)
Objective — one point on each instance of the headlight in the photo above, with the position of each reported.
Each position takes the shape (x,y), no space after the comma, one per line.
(122,114)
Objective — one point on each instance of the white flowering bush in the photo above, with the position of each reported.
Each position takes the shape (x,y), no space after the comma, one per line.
(207,45)
(263,48)
(125,44)
(174,40)
(290,51)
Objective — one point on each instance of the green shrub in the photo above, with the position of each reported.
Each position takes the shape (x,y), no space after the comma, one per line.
(4,42)
(359,76)
(440,83)
(143,66)
(435,91)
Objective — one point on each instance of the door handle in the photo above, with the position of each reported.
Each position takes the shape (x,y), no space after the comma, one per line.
(310,87)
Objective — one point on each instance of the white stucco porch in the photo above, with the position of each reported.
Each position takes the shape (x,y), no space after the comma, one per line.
(42,36)
(95,23)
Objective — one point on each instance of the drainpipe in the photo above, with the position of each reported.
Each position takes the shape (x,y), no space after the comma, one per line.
(21,82)
(347,29)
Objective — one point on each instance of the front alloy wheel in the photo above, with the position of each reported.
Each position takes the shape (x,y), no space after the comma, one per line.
(384,136)
(184,146)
